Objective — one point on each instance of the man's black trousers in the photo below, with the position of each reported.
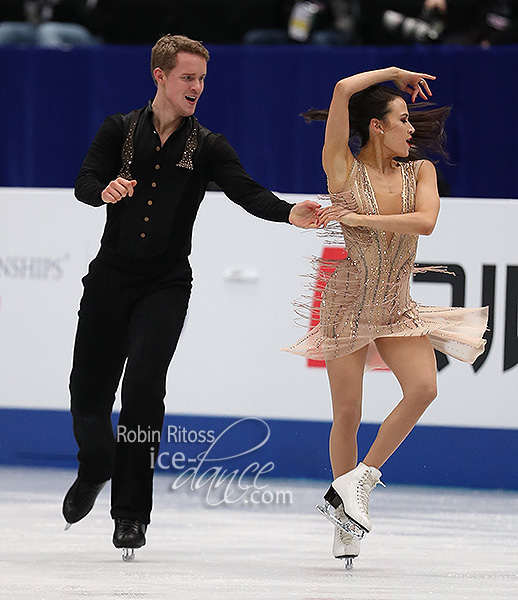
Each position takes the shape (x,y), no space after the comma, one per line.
(129,324)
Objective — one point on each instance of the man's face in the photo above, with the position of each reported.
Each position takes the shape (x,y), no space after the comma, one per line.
(183,84)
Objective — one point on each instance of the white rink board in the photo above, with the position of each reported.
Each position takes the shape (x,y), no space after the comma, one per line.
(246,276)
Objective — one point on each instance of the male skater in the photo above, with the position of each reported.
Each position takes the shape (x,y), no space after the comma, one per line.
(151,167)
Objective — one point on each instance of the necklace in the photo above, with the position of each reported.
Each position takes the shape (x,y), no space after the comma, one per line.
(393,169)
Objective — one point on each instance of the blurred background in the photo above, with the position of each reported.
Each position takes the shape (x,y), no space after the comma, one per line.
(66,64)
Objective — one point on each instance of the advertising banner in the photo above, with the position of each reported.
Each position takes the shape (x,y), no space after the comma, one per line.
(228,365)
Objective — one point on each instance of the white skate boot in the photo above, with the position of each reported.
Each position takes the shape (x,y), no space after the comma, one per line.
(345,545)
(352,491)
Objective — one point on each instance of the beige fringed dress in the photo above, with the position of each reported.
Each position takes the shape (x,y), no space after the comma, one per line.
(366,295)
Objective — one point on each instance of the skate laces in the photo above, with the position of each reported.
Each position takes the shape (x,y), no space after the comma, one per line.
(366,484)
(344,536)
(128,525)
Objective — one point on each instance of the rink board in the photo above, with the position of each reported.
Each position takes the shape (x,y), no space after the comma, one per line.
(246,276)
(438,456)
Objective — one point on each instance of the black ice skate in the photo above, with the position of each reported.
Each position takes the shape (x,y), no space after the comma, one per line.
(129,534)
(80,500)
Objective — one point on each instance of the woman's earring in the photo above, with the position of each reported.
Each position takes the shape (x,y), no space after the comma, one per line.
(381,131)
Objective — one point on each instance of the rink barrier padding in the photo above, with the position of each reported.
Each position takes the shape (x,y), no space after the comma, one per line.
(436,456)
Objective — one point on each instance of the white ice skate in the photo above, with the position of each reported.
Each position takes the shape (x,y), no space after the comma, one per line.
(352,491)
(345,545)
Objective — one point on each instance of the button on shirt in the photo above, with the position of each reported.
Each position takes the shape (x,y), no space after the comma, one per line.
(156,222)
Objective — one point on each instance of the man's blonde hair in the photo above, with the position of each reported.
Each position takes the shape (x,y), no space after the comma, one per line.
(165,51)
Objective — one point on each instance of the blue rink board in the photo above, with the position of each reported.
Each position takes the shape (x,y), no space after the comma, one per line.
(439,456)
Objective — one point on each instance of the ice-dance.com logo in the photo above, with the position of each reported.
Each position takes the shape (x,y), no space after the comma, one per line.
(210,473)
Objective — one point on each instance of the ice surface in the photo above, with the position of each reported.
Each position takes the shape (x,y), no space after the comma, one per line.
(425,543)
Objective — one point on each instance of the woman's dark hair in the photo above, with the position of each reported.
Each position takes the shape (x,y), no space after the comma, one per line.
(374,103)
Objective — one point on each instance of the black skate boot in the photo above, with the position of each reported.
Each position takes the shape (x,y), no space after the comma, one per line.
(80,500)
(128,535)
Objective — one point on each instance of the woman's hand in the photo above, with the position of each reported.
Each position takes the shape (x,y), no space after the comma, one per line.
(338,213)
(416,81)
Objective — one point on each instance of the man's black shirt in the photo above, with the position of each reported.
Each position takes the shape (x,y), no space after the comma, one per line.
(153,228)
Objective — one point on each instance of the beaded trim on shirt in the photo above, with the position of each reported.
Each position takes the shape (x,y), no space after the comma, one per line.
(190,147)
(127,149)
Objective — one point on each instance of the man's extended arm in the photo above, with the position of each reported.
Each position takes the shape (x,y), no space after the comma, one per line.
(236,183)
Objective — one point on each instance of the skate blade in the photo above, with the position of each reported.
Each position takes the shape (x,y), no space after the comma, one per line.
(348,563)
(68,526)
(128,554)
(349,526)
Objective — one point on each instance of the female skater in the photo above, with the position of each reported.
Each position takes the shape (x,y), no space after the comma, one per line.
(382,200)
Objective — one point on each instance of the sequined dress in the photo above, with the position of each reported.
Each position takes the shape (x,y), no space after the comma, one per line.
(366,295)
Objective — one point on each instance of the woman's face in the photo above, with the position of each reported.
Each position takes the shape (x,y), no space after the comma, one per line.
(397,128)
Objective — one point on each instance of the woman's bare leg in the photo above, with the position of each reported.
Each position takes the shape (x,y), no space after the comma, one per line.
(412,360)
(346,383)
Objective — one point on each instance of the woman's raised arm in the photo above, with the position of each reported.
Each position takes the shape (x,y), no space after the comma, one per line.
(336,154)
